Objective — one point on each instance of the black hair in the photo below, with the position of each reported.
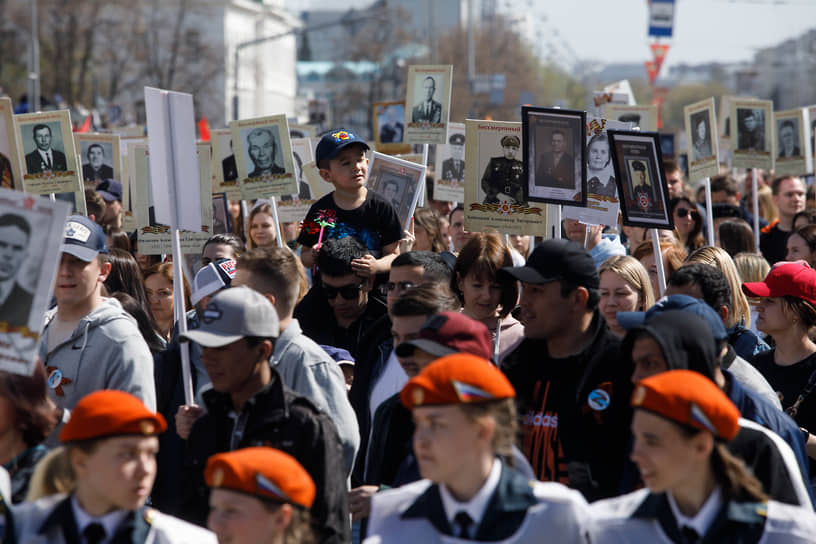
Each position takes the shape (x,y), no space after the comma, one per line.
(336,254)
(39,127)
(14,220)
(434,267)
(724,183)
(88,151)
(568,286)
(228,239)
(458,208)
(712,282)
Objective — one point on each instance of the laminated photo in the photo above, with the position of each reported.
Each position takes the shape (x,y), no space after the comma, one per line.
(427,104)
(100,157)
(49,156)
(752,140)
(388,119)
(398,181)
(702,140)
(793,154)
(449,168)
(263,155)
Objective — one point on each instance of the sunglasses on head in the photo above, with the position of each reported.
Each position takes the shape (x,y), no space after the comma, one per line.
(348,292)
(686,212)
(398,286)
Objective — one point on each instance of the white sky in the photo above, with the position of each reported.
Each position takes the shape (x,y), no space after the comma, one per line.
(616,30)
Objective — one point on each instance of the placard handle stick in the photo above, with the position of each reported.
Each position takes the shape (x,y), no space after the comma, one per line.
(278,233)
(245,214)
(556,208)
(586,236)
(658,257)
(422,195)
(755,199)
(709,212)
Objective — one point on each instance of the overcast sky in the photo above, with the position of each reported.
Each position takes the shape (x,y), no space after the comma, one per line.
(615,30)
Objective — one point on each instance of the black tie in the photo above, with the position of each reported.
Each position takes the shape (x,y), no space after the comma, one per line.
(94,533)
(690,536)
(48,160)
(462,523)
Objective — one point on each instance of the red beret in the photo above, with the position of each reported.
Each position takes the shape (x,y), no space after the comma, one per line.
(110,413)
(460,378)
(264,472)
(689,398)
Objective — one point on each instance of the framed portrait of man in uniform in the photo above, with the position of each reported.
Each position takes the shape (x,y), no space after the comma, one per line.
(554,161)
(398,181)
(752,134)
(449,166)
(642,186)
(702,140)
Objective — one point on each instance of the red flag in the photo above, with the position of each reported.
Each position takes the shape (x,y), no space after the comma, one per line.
(204,129)
(652,69)
(659,50)
(86,125)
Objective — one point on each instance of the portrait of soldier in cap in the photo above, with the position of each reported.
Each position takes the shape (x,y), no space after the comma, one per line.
(502,179)
(556,168)
(454,167)
(750,129)
(642,190)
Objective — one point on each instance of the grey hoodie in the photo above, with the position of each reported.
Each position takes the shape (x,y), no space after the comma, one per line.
(105,351)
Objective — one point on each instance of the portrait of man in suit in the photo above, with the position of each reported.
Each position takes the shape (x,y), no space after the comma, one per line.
(556,168)
(304,191)
(15,301)
(427,110)
(95,169)
(262,148)
(44,158)
(454,167)
(787,136)
(228,165)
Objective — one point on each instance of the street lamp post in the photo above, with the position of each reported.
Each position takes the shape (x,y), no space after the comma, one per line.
(34,63)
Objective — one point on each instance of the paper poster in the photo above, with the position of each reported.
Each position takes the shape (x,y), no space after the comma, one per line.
(263,154)
(703,143)
(99,156)
(48,149)
(643,117)
(427,104)
(791,139)
(753,147)
(11,170)
(389,127)
(225,168)
(293,208)
(398,181)
(449,181)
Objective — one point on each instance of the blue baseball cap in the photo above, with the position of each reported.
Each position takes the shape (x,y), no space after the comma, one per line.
(109,190)
(630,320)
(333,142)
(83,238)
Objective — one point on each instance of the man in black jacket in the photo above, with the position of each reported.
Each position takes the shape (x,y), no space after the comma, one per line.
(573,394)
(249,406)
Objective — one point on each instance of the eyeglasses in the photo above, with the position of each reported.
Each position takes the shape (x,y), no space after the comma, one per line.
(399,286)
(348,292)
(685,212)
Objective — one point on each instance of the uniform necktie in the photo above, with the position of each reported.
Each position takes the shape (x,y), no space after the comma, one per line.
(690,536)
(94,533)
(48,159)
(462,522)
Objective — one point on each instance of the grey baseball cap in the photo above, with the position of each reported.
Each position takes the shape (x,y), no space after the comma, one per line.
(233,314)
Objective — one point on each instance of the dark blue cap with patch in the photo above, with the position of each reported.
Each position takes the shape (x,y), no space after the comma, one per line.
(83,238)
(333,142)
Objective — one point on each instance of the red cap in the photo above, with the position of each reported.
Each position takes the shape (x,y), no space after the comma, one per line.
(795,279)
(264,472)
(110,413)
(456,379)
(450,332)
(689,398)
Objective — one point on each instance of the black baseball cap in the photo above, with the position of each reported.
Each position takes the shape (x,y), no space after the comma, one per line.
(554,260)
(333,142)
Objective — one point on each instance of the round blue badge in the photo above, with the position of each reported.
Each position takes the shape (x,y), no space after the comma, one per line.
(598,399)
(55,378)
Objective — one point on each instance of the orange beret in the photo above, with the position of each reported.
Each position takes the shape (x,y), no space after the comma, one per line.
(689,398)
(110,413)
(265,472)
(460,378)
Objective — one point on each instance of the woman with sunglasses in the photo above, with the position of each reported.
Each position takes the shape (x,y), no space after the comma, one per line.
(696,490)
(485,296)
(687,222)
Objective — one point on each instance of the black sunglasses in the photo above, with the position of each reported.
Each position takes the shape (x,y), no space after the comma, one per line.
(399,286)
(685,212)
(348,292)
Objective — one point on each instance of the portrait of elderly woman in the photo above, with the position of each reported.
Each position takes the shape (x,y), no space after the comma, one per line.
(600,174)
(701,136)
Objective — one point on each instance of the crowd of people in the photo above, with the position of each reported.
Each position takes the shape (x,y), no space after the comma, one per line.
(367,384)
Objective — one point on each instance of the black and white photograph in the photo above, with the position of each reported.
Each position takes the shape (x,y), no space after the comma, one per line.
(397,181)
(263,154)
(427,104)
(449,166)
(793,156)
(702,141)
(224,167)
(220,214)
(388,119)
(292,208)
(301,131)
(754,134)
(100,158)
(11,172)
(554,161)
(643,117)
(31,231)
(641,182)
(48,149)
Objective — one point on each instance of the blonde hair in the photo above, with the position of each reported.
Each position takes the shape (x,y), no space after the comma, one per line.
(53,474)
(720,259)
(503,411)
(767,208)
(672,251)
(751,267)
(632,272)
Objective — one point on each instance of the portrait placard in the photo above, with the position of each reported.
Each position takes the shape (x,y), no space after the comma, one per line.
(301,131)
(100,157)
(642,186)
(668,144)
(494,181)
(320,187)
(427,104)
(48,147)
(220,214)
(11,170)
(128,172)
(449,178)
(554,162)
(225,169)
(32,229)
(602,190)
(811,134)
(398,182)
(389,127)
(752,124)
(791,143)
(644,117)
(295,206)
(415,158)
(703,144)
(263,154)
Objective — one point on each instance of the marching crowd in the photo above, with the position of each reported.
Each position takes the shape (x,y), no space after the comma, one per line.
(364,384)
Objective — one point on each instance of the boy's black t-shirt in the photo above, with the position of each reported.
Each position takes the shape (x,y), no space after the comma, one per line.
(375,223)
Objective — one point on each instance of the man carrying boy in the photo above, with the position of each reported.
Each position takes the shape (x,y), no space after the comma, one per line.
(351,209)
(111,443)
